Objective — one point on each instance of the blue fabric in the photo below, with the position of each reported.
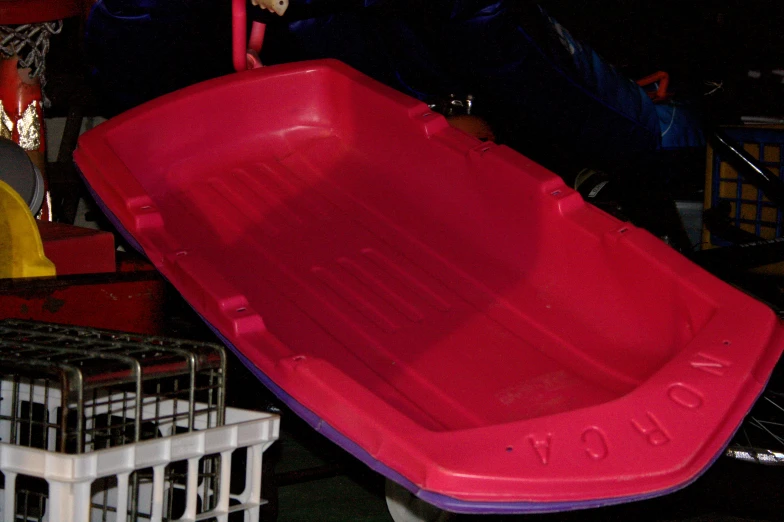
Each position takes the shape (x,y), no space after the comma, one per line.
(553,91)
(600,80)
(680,127)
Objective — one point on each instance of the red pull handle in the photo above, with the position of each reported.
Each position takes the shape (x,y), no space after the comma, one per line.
(663,79)
(245,52)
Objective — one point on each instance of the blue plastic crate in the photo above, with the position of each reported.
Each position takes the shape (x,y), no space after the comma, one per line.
(751,210)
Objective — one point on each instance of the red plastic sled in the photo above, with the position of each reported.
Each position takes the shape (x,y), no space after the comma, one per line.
(445,309)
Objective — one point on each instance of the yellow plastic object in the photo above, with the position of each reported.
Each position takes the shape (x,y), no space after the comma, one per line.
(21,250)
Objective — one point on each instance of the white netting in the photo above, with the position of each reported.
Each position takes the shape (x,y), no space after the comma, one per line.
(30,42)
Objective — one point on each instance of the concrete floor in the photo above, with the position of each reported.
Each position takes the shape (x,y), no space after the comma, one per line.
(355,495)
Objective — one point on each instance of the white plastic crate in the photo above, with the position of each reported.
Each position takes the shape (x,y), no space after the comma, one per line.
(186,476)
(77,390)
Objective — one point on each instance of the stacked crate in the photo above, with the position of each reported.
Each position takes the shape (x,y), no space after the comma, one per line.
(98,425)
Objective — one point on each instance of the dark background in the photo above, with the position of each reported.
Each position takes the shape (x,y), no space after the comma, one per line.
(696,42)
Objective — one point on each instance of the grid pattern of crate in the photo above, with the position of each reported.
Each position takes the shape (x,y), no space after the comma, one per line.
(159,479)
(750,209)
(99,425)
(75,390)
